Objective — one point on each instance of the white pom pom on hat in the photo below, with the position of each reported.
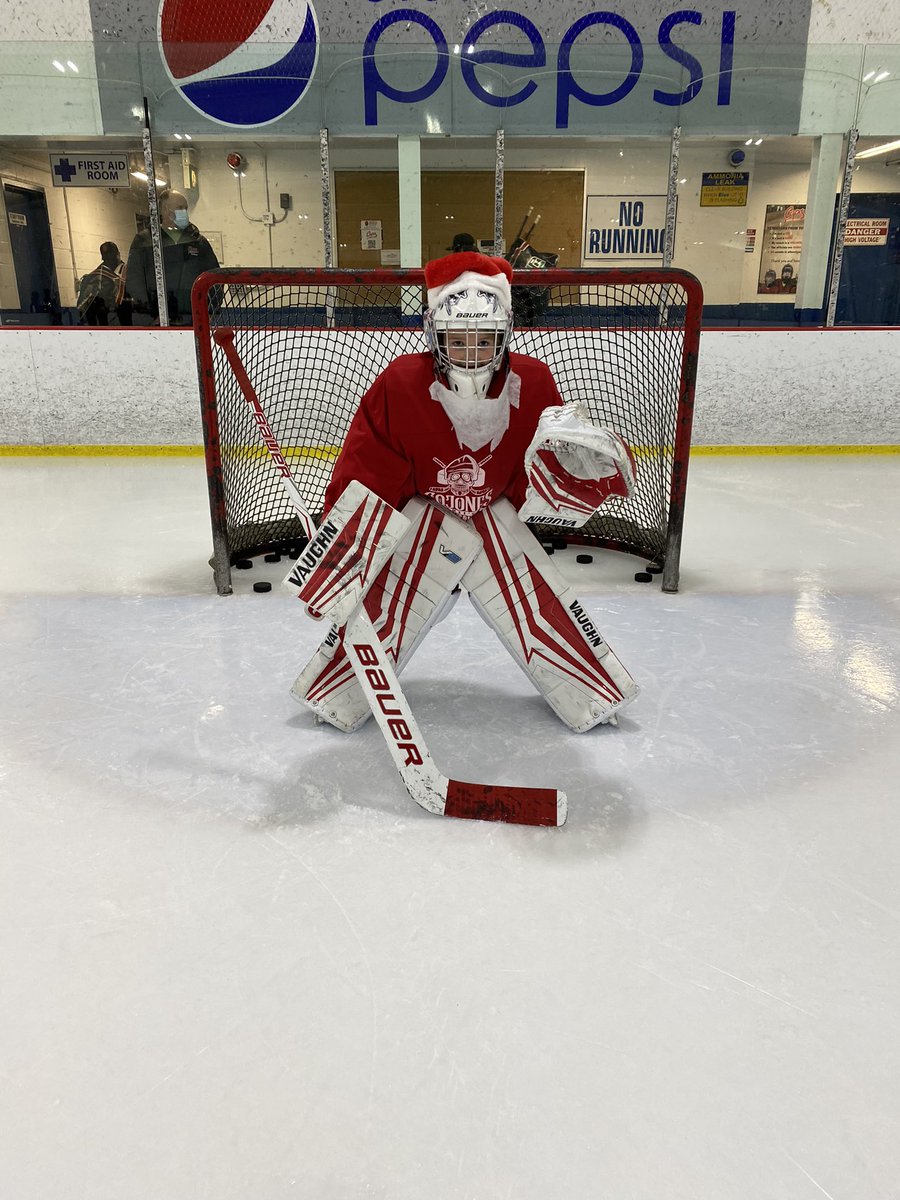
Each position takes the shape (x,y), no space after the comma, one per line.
(456,272)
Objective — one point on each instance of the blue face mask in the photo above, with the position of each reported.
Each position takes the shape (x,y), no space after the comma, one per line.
(182,220)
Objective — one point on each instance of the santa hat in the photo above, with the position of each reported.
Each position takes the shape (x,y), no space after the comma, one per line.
(457,272)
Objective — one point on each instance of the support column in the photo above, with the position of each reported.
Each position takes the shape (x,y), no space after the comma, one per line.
(824,172)
(409,172)
(672,198)
(840,231)
(499,168)
(162,295)
(327,200)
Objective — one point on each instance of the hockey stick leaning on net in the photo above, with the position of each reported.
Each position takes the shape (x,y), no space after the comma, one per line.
(423,781)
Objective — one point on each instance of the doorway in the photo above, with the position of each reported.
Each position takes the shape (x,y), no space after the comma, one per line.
(869,289)
(32,251)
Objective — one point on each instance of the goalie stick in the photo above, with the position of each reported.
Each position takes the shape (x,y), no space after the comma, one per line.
(423,781)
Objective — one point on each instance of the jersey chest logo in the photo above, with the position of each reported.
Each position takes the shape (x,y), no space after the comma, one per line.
(460,485)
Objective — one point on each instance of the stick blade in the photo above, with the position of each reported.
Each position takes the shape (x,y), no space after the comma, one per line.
(515,805)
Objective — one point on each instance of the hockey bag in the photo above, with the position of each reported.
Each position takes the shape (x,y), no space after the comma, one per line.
(412,593)
(573,466)
(523,597)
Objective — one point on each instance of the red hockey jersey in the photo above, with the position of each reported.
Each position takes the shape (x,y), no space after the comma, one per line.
(401,443)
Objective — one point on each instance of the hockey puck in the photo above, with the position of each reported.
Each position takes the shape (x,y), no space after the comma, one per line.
(244,564)
(654,568)
(584,558)
(643,577)
(262,585)
(559,544)
(273,558)
(548,549)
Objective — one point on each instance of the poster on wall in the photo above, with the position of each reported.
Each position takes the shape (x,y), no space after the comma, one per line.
(624,227)
(214,237)
(724,189)
(370,235)
(779,261)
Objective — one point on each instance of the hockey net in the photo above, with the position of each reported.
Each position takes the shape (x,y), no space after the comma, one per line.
(623,343)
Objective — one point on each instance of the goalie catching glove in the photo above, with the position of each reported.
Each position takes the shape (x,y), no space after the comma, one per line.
(572,467)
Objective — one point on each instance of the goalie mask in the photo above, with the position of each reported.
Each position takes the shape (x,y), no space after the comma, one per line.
(469,319)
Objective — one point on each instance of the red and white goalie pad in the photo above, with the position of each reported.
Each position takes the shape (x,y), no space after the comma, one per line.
(538,617)
(572,467)
(414,591)
(356,538)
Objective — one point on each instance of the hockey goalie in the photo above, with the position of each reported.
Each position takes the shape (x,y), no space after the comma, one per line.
(449,456)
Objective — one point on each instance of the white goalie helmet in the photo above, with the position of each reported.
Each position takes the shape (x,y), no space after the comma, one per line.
(469,319)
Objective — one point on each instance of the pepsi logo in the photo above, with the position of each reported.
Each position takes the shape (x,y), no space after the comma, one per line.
(241,63)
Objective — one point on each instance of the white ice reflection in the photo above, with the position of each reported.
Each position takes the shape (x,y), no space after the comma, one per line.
(865,665)
(871,676)
(811,624)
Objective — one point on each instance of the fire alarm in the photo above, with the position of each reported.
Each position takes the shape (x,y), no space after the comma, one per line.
(235,161)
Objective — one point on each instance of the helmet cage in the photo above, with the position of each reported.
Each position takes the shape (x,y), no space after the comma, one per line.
(471,314)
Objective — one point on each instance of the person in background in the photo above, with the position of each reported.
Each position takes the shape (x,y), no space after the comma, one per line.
(463,243)
(186,255)
(769,283)
(102,291)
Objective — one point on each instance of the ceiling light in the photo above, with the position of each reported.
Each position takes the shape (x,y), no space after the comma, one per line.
(143,177)
(749,142)
(867,77)
(178,137)
(881,76)
(758,142)
(71,65)
(883,149)
(56,63)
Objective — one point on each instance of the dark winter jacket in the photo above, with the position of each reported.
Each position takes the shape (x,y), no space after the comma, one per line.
(183,262)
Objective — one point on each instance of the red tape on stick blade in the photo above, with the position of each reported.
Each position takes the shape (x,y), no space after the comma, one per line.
(516,805)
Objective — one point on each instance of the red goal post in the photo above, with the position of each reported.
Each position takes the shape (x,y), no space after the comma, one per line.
(622,342)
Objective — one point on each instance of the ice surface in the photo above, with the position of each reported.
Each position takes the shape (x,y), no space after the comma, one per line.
(239,962)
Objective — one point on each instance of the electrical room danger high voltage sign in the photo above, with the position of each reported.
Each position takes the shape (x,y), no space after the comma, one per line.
(867,231)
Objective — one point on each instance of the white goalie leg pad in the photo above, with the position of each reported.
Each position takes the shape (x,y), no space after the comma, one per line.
(414,591)
(356,538)
(524,598)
